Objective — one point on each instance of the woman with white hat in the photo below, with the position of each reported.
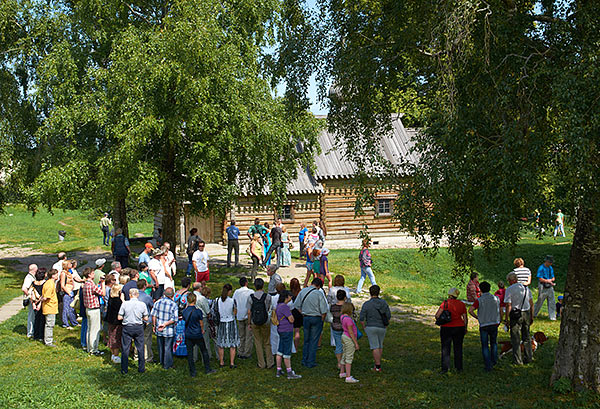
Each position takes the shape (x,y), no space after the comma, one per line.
(452,329)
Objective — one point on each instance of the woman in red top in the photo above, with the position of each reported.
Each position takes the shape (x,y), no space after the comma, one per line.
(454,331)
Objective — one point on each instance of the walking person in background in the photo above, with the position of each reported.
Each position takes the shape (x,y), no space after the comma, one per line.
(488,315)
(285,329)
(233,243)
(275,244)
(453,332)
(559,224)
(120,248)
(241,296)
(286,243)
(365,266)
(324,272)
(349,342)
(26,288)
(547,281)
(192,246)
(266,244)
(227,333)
(105,224)
(375,316)
(518,297)
(50,306)
(301,236)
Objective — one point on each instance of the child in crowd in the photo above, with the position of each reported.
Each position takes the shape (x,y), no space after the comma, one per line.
(349,342)
(559,306)
(500,294)
(285,329)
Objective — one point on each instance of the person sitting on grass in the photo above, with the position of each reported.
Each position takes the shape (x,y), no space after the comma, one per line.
(285,329)
(349,342)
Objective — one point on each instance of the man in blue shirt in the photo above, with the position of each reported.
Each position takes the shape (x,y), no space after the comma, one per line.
(145,254)
(233,243)
(545,275)
(301,236)
(194,330)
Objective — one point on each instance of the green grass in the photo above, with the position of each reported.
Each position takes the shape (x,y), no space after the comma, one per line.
(10,282)
(40,231)
(66,376)
(420,279)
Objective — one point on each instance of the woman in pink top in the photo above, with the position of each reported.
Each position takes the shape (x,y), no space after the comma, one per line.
(349,342)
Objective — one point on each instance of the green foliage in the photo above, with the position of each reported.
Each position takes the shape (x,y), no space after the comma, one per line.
(10,282)
(562,386)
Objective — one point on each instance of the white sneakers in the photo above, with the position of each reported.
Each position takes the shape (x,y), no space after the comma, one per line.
(351,379)
(116,359)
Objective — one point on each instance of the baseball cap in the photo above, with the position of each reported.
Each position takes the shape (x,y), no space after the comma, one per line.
(149,246)
(100,262)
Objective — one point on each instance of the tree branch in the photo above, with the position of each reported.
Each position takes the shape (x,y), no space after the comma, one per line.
(546,19)
(137,13)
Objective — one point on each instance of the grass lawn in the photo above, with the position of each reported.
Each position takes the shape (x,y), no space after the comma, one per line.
(18,227)
(10,282)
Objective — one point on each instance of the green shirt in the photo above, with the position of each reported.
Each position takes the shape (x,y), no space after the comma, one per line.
(146,276)
(257,229)
(559,217)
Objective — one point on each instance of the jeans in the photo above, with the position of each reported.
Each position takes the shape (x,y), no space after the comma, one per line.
(165,351)
(68,315)
(545,294)
(106,237)
(30,319)
(313,326)
(285,344)
(364,272)
(93,333)
(49,329)
(454,336)
(84,326)
(135,333)
(277,248)
(337,336)
(489,346)
(190,343)
(190,265)
(559,228)
(233,245)
(519,331)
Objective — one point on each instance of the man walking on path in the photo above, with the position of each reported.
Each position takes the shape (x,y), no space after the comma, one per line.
(134,314)
(165,315)
(547,281)
(27,282)
(518,298)
(105,224)
(233,243)
(488,315)
(559,224)
(275,243)
(312,304)
(240,297)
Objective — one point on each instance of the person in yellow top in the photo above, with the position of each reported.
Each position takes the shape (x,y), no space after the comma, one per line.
(50,306)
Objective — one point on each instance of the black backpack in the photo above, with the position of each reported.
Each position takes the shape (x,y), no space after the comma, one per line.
(258,310)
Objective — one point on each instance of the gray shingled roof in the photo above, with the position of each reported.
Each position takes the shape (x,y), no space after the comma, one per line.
(331,164)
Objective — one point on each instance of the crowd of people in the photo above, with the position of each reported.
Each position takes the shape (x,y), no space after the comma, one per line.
(127,309)
(512,306)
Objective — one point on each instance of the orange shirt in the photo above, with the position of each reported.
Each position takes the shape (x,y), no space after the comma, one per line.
(457,308)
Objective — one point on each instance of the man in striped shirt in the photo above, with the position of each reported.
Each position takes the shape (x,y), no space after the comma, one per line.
(522,272)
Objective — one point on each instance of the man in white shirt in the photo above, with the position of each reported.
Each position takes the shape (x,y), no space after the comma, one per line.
(200,263)
(241,296)
(522,272)
(29,279)
(518,297)
(58,266)
(158,275)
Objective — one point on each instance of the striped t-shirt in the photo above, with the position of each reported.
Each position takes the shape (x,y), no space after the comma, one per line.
(523,274)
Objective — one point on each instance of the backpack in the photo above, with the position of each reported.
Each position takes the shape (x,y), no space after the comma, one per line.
(181,300)
(258,310)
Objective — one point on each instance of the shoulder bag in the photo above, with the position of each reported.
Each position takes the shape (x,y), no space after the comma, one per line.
(445,317)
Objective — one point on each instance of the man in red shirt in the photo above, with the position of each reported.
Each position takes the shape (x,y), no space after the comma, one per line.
(91,292)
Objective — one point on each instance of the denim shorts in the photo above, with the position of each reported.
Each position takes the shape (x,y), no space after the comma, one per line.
(285,344)
(337,337)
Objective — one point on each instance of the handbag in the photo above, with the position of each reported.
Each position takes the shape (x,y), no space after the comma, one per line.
(515,313)
(445,317)
(329,317)
(26,302)
(358,334)
(274,319)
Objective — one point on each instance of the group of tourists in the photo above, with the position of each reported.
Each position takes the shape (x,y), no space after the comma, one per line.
(512,306)
(126,308)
